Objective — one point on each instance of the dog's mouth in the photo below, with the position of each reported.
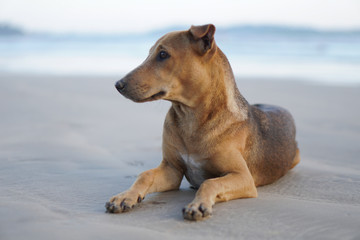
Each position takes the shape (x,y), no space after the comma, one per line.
(154,97)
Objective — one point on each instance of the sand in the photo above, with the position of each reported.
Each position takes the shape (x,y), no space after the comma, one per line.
(69,143)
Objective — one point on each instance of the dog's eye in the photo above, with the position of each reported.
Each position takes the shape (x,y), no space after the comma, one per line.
(163,55)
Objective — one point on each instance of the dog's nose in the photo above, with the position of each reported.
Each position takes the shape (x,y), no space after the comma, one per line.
(120,85)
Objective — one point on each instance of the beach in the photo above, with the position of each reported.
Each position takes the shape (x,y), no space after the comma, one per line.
(69,143)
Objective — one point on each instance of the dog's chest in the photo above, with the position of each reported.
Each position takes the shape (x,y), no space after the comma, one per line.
(194,169)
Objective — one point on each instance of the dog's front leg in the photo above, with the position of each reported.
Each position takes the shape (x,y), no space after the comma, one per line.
(160,179)
(238,184)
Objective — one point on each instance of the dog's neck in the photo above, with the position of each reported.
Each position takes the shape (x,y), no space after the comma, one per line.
(235,102)
(223,97)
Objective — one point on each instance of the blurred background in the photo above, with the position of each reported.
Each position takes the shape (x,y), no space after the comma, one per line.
(279,39)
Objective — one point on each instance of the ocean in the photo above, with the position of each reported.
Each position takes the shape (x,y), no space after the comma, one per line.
(254,52)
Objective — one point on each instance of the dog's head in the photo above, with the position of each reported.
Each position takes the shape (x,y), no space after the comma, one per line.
(175,68)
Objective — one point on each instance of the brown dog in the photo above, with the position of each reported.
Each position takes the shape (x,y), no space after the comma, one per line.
(223,146)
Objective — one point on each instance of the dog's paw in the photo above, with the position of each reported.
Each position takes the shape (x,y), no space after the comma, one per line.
(197,211)
(123,202)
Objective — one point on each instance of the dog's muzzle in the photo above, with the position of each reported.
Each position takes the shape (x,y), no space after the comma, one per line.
(120,85)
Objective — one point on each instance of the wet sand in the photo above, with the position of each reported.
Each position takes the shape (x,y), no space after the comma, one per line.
(69,143)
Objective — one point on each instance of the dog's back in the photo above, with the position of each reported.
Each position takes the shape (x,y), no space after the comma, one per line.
(273,148)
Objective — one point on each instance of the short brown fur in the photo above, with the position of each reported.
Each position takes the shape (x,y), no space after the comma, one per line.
(223,145)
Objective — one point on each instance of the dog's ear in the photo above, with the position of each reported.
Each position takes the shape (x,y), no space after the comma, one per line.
(204,35)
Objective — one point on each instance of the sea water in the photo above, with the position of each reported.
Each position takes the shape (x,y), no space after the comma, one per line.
(328,57)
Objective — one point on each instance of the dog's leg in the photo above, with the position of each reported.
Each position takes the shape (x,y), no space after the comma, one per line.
(160,179)
(233,185)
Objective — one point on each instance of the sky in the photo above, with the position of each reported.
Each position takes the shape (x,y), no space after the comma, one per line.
(109,16)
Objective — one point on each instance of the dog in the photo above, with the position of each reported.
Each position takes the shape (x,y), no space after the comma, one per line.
(224,146)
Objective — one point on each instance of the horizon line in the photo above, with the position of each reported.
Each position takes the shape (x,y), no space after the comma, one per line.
(220,27)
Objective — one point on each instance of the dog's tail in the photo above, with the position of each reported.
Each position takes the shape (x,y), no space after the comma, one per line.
(296,158)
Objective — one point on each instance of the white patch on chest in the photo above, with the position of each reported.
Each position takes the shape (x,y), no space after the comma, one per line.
(194,172)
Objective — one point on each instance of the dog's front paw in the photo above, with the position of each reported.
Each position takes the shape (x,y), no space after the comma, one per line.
(123,202)
(197,211)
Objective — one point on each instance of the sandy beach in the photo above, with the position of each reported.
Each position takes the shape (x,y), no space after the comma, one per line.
(68,143)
